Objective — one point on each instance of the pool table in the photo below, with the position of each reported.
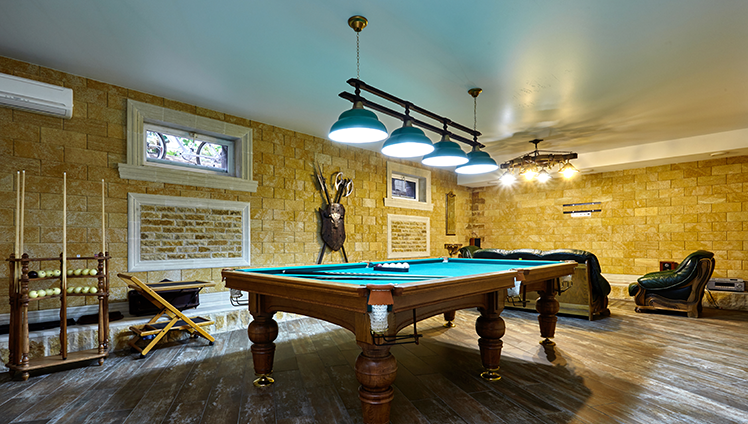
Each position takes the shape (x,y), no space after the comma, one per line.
(346,294)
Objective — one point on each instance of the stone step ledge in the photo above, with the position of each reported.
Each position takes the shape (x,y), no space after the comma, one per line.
(213,306)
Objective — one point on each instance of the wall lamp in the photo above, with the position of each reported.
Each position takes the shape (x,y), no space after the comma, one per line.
(359,125)
(537,164)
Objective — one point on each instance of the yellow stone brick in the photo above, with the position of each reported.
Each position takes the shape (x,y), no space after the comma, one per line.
(645,211)
(684,200)
(698,209)
(658,185)
(727,169)
(671,228)
(712,180)
(684,218)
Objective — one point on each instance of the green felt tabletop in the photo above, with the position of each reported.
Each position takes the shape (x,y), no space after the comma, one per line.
(363,273)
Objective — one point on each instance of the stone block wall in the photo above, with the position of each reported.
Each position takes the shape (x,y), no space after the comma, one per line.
(284,211)
(647,215)
(201,233)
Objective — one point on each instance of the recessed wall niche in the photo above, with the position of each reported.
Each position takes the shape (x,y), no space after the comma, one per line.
(408,236)
(166,232)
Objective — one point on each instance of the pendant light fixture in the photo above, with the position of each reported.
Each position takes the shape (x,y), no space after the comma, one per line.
(478,162)
(537,165)
(446,153)
(568,170)
(358,125)
(407,141)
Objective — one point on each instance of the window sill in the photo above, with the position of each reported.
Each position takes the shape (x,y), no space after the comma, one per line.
(392,202)
(191,178)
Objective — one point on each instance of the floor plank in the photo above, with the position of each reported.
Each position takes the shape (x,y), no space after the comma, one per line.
(627,368)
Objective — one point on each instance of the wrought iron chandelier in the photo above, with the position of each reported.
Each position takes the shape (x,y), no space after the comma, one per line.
(537,165)
(359,125)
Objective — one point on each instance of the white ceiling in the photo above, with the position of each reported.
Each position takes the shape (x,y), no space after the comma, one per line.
(622,83)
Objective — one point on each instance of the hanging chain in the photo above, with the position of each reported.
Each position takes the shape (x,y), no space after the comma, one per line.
(475,113)
(358,76)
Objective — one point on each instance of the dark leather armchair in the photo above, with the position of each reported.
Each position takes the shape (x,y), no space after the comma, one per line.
(467,251)
(676,290)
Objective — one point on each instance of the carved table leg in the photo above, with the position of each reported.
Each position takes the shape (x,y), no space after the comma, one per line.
(547,306)
(262,332)
(375,370)
(449,317)
(490,327)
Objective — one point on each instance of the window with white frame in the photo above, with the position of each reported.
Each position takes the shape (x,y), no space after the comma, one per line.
(404,187)
(408,187)
(174,147)
(165,145)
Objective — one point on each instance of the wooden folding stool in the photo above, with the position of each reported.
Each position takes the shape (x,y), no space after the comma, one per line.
(176,319)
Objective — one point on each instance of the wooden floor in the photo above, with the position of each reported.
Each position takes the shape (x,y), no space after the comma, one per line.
(629,368)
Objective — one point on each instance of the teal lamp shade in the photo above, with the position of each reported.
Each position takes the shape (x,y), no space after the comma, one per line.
(407,142)
(478,163)
(446,153)
(358,125)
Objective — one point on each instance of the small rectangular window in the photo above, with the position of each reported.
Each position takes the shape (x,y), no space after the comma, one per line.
(171,146)
(404,187)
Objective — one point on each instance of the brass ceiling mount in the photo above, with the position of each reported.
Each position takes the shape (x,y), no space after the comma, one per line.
(475,91)
(357,22)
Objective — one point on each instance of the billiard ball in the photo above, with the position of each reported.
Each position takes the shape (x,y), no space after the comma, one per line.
(33,274)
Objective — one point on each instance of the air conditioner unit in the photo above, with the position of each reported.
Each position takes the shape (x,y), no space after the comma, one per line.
(35,96)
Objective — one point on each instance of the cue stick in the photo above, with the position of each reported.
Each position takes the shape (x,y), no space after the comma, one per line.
(356,278)
(18,207)
(17,270)
(64,285)
(362,274)
(23,202)
(103,231)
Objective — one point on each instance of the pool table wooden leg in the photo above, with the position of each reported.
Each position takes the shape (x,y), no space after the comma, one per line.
(547,307)
(449,317)
(375,370)
(262,332)
(490,327)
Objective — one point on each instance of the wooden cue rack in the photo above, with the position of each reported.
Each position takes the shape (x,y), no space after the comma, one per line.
(18,337)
